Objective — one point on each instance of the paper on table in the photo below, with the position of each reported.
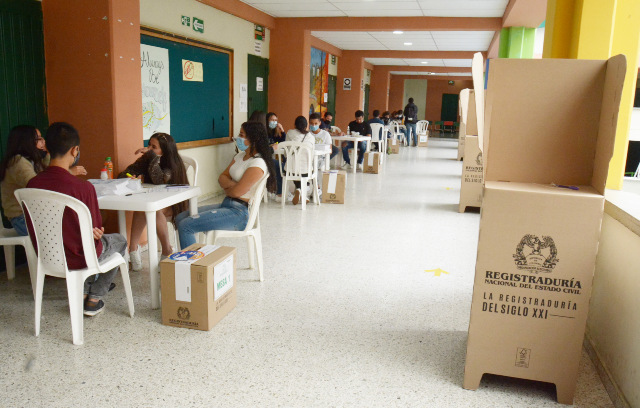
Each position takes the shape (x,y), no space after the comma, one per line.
(183,274)
(116,187)
(333,180)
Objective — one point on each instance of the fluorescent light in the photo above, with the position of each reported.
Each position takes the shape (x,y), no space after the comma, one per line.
(408,43)
(398,32)
(424,62)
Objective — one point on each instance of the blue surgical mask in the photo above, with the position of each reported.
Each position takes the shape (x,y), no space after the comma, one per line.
(314,127)
(273,124)
(240,143)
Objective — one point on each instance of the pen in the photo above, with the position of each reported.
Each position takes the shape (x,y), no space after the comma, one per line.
(129,175)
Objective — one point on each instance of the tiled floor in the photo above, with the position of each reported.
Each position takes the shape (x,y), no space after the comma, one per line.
(346,316)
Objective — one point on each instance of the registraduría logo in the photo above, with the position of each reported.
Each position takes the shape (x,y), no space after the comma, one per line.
(184,313)
(536,255)
(479,159)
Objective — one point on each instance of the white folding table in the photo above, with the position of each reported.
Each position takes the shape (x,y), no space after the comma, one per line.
(355,140)
(149,203)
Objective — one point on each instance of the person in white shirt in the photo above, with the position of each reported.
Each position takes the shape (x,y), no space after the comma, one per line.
(300,134)
(239,182)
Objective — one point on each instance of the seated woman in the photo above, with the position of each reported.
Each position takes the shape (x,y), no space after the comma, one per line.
(239,182)
(275,134)
(25,157)
(300,134)
(160,163)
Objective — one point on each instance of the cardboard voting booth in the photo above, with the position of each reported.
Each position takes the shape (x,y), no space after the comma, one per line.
(334,185)
(372,162)
(198,286)
(471,181)
(548,136)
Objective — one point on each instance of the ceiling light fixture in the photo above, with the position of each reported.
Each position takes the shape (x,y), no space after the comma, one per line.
(408,43)
(424,62)
(398,32)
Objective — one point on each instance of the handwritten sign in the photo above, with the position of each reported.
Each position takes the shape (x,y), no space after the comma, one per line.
(191,71)
(154,66)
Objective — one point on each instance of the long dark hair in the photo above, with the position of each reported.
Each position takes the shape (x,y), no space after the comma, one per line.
(171,160)
(260,117)
(301,124)
(260,144)
(22,141)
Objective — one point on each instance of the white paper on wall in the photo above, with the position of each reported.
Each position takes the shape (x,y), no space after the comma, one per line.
(154,66)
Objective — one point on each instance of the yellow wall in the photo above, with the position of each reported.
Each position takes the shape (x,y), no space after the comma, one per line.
(221,29)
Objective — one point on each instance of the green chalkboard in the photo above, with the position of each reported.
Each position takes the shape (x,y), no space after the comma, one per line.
(200,111)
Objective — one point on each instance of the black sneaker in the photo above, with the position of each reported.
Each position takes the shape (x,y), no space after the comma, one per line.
(92,310)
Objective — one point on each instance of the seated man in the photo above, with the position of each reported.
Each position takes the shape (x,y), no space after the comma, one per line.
(376,119)
(363,128)
(326,122)
(322,136)
(63,144)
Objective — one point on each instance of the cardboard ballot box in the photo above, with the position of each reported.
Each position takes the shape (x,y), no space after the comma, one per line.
(423,140)
(471,183)
(544,181)
(393,145)
(372,162)
(334,184)
(198,286)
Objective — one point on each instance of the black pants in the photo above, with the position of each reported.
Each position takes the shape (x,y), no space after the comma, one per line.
(297,183)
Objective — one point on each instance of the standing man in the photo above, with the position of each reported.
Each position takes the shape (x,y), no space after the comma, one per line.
(363,128)
(410,120)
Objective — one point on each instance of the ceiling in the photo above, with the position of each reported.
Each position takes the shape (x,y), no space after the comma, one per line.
(408,40)
(380,8)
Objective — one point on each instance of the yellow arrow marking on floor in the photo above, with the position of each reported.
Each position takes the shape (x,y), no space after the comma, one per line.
(437,272)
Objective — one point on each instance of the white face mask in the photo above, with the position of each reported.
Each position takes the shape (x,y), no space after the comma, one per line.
(273,124)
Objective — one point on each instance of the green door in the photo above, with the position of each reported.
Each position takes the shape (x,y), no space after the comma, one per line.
(22,81)
(449,110)
(257,80)
(331,98)
(367,89)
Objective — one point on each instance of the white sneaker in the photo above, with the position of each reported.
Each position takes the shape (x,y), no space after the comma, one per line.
(136,261)
(360,166)
(289,197)
(346,166)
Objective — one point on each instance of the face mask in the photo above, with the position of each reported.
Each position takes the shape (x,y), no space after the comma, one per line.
(240,143)
(76,160)
(43,153)
(314,128)
(273,124)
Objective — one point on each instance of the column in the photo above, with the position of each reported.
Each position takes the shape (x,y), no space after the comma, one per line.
(595,29)
(349,101)
(517,42)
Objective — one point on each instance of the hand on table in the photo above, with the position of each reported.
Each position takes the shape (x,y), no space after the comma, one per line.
(98,233)
(78,171)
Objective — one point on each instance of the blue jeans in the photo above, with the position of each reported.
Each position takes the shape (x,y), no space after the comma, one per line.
(229,215)
(19,225)
(334,151)
(411,129)
(362,146)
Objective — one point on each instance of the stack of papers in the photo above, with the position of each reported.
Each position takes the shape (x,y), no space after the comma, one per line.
(119,187)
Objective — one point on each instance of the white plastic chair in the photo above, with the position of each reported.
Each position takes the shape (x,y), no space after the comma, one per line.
(397,133)
(9,238)
(189,163)
(251,231)
(422,127)
(46,209)
(335,129)
(296,153)
(379,136)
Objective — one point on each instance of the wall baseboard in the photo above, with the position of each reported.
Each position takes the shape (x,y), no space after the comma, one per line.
(616,395)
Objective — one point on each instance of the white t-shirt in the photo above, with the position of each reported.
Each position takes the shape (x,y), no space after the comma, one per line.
(322,137)
(240,166)
(294,135)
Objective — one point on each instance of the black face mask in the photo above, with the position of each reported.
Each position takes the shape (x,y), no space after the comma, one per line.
(43,154)
(76,160)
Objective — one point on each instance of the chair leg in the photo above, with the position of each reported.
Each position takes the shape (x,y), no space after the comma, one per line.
(314,186)
(39,288)
(285,190)
(10,260)
(124,272)
(32,260)
(258,246)
(75,285)
(251,250)
(303,193)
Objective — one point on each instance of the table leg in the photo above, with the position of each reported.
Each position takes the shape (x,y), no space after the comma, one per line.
(354,157)
(122,223)
(154,273)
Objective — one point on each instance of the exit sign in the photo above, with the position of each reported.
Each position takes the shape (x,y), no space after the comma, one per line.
(198,25)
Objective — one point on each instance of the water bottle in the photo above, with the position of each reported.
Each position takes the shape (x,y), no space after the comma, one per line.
(348,131)
(108,164)
(104,174)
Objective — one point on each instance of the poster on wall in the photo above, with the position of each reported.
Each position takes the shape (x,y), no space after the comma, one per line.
(154,65)
(192,71)
(318,81)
